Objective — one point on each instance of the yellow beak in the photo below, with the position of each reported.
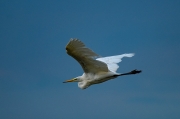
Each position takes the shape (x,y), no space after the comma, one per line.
(71,80)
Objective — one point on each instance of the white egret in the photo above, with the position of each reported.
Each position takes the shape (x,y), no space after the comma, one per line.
(96,69)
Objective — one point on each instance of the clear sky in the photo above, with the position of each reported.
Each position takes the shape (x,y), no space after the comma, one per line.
(34,63)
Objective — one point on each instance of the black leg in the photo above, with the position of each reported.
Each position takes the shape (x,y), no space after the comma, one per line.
(135,71)
(132,72)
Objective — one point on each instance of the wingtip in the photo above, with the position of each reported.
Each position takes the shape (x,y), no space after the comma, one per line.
(129,54)
(71,42)
(75,39)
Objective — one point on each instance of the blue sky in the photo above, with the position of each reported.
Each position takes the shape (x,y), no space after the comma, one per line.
(34,63)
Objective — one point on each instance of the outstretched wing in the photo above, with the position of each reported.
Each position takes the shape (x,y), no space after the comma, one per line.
(85,57)
(112,61)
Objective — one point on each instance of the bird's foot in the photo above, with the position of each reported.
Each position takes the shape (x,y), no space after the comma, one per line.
(135,71)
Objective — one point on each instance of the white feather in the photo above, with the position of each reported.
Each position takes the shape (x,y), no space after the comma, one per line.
(112,61)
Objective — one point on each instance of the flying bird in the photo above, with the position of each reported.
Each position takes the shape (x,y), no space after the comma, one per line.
(97,69)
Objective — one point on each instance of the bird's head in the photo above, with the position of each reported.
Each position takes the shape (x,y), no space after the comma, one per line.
(77,79)
(81,82)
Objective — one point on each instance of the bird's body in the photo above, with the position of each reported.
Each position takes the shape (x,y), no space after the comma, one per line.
(96,69)
(90,79)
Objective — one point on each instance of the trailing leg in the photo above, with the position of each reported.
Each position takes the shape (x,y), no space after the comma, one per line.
(131,72)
